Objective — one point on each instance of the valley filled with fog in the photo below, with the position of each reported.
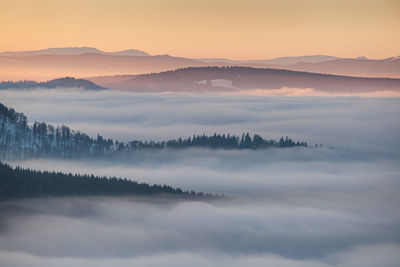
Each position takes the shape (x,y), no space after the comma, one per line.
(330,205)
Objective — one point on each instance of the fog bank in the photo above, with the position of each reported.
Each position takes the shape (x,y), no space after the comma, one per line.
(335,205)
(339,121)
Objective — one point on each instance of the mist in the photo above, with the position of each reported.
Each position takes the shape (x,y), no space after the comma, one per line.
(335,205)
(336,121)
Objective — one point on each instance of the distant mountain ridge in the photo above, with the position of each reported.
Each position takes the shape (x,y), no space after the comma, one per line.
(66,82)
(359,67)
(274,61)
(91,62)
(45,67)
(363,67)
(74,51)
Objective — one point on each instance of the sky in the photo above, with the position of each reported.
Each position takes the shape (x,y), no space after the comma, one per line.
(210,28)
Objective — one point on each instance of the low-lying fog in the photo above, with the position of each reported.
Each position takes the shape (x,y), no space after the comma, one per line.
(339,121)
(336,205)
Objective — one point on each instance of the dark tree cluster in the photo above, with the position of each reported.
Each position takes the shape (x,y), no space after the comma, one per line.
(232,142)
(60,82)
(18,140)
(12,115)
(24,183)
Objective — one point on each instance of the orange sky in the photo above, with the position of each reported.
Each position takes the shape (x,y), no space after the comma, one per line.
(235,29)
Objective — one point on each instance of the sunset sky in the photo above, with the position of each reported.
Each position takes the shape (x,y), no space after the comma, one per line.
(209,28)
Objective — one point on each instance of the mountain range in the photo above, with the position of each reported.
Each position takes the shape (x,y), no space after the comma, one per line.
(90,62)
(45,67)
(74,51)
(275,61)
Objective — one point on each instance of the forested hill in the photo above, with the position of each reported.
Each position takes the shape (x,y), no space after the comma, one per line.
(67,82)
(246,78)
(18,140)
(24,183)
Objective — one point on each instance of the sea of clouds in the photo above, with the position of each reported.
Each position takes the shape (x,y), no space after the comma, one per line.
(335,205)
(339,121)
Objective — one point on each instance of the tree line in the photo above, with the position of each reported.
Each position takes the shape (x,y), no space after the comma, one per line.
(19,140)
(24,183)
(51,84)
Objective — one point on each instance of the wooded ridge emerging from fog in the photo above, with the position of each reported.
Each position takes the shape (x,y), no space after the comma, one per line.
(236,78)
(218,79)
(66,82)
(18,140)
(24,183)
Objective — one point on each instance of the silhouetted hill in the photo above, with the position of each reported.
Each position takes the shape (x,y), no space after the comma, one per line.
(67,82)
(246,78)
(26,183)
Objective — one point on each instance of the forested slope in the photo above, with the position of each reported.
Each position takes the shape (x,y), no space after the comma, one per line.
(23,183)
(18,140)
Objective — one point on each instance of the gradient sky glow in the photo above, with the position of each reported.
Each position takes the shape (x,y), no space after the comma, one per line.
(208,28)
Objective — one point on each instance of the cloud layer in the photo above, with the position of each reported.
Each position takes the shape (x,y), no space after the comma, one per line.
(339,121)
(335,205)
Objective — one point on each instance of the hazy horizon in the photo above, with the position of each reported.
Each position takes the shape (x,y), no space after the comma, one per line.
(160,53)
